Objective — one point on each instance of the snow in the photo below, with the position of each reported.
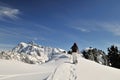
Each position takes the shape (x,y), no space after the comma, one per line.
(88,48)
(64,72)
(31,53)
(16,70)
(58,68)
(19,71)
(84,70)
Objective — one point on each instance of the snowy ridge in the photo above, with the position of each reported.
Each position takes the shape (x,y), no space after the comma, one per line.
(31,53)
(84,70)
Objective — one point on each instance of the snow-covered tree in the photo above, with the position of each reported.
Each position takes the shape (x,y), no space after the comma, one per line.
(96,55)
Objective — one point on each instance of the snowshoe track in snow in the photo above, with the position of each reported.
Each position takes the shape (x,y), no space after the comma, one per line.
(73,75)
(65,71)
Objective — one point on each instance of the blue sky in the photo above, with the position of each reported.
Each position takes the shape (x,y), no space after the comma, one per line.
(60,23)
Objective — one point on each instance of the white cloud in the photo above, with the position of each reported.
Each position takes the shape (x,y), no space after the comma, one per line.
(90,25)
(20,33)
(112,27)
(82,29)
(84,25)
(45,28)
(8,12)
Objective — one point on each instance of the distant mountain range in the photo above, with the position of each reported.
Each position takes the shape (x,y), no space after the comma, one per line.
(31,53)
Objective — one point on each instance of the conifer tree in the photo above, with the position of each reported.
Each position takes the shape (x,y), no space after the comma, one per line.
(113,56)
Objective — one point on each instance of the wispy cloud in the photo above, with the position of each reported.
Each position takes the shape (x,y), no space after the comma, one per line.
(90,26)
(111,27)
(45,28)
(8,12)
(81,29)
(20,33)
(84,25)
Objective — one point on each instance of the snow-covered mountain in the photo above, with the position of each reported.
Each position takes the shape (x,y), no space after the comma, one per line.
(33,48)
(31,53)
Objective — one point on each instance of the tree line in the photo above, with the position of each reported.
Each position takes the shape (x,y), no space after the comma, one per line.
(111,58)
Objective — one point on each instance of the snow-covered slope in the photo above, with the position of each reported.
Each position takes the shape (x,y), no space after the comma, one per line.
(58,68)
(84,70)
(31,53)
(16,70)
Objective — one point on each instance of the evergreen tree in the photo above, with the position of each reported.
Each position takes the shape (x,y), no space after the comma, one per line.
(96,55)
(85,54)
(113,57)
(69,52)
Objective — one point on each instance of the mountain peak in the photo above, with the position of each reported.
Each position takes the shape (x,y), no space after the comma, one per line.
(33,53)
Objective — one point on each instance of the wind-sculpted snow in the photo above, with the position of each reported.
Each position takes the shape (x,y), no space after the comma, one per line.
(31,53)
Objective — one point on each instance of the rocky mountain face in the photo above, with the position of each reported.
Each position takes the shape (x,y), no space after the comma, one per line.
(31,53)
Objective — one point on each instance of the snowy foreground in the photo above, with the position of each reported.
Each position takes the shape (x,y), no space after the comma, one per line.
(59,68)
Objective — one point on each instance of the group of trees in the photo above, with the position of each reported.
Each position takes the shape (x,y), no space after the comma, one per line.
(112,58)
(96,55)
